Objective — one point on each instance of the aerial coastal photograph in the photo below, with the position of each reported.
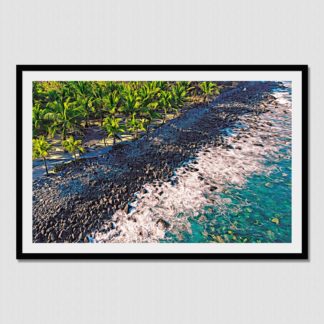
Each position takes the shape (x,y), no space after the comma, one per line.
(162,162)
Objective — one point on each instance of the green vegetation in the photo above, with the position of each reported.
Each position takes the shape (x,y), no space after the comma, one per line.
(73,146)
(66,109)
(209,89)
(41,149)
(113,128)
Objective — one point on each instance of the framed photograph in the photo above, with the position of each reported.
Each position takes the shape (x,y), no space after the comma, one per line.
(162,162)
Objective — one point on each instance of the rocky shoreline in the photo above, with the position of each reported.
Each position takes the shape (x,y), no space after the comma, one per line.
(93,201)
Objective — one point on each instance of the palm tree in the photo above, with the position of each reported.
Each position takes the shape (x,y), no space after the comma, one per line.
(38,118)
(111,86)
(148,101)
(85,103)
(113,128)
(54,94)
(84,98)
(112,102)
(150,113)
(208,89)
(39,94)
(63,115)
(99,92)
(73,146)
(135,125)
(162,85)
(179,96)
(130,101)
(165,102)
(41,150)
(144,95)
(152,87)
(187,85)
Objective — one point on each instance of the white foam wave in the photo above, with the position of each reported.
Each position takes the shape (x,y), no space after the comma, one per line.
(199,182)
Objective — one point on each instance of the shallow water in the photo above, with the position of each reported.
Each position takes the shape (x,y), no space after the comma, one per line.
(237,193)
(258,212)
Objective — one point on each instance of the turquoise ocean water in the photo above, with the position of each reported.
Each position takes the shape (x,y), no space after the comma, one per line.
(260,212)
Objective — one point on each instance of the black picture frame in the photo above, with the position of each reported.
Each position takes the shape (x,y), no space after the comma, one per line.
(158,256)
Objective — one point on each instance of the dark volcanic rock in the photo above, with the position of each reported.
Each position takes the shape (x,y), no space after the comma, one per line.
(162,224)
(81,197)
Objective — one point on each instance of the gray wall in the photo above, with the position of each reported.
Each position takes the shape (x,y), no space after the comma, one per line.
(152,32)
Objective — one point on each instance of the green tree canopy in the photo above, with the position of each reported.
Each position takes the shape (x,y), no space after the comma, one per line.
(41,150)
(112,126)
(73,146)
